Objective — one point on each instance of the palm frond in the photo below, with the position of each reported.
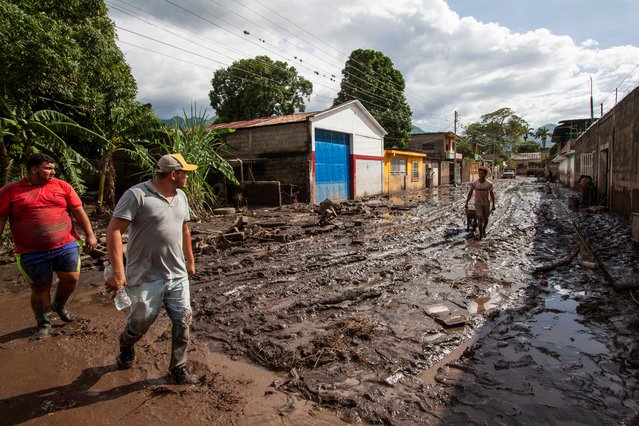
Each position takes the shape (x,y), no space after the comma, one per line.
(68,167)
(202,147)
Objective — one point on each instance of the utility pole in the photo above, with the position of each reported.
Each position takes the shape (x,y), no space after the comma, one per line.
(455,123)
(455,151)
(592,110)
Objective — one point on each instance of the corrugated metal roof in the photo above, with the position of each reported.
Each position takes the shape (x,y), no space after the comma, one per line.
(268,121)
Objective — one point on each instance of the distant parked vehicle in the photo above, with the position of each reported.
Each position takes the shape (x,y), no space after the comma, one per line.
(508,174)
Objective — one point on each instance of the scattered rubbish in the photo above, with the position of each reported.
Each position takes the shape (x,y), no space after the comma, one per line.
(394,378)
(444,316)
(224,211)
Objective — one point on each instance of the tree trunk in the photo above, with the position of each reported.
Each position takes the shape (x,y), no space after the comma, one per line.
(4,162)
(106,189)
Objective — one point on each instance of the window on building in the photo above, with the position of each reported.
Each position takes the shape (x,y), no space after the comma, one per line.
(428,146)
(398,165)
(586,164)
(415,172)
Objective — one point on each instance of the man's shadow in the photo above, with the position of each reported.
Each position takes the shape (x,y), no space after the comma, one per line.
(20,408)
(25,333)
(17,335)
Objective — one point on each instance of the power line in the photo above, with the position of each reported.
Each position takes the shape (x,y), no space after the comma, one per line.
(363,91)
(374,95)
(345,85)
(334,48)
(366,103)
(378,97)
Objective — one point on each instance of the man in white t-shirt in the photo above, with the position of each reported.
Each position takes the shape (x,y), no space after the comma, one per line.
(484,194)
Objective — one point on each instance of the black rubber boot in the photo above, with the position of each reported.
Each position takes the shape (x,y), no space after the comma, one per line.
(62,311)
(126,359)
(43,318)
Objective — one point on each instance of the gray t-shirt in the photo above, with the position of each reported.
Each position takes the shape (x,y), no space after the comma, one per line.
(154,250)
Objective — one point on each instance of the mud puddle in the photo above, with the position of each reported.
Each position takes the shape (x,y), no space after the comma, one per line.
(338,310)
(557,359)
(349,324)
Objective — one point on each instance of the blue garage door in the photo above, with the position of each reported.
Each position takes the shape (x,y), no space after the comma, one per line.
(332,171)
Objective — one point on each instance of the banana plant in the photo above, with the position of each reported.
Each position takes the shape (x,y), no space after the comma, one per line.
(203,147)
(131,130)
(41,131)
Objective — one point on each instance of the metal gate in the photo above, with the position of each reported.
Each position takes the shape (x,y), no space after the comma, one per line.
(332,165)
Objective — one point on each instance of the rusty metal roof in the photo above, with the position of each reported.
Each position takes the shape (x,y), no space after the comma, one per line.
(267,121)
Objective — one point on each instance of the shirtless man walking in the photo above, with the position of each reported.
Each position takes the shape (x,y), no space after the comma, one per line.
(483,189)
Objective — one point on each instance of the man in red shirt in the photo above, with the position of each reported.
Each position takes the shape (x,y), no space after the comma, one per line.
(44,236)
(483,189)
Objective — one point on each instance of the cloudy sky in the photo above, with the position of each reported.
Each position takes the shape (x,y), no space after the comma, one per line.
(536,57)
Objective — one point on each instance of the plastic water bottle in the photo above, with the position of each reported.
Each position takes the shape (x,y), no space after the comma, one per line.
(121,298)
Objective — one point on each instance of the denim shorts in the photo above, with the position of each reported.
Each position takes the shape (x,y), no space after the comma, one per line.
(41,265)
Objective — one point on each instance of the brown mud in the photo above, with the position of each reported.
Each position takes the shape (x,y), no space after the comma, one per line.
(384,310)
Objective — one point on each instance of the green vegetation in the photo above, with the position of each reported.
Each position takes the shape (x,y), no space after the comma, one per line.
(498,132)
(40,132)
(259,87)
(369,76)
(62,56)
(63,77)
(131,131)
(68,91)
(203,148)
(526,146)
(543,134)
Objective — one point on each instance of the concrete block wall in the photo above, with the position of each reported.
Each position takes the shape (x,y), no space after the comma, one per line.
(257,141)
(287,170)
(617,132)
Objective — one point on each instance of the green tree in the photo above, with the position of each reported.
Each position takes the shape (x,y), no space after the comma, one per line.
(42,131)
(498,132)
(259,87)
(201,147)
(466,148)
(526,146)
(131,131)
(62,56)
(542,133)
(529,132)
(370,77)
(474,136)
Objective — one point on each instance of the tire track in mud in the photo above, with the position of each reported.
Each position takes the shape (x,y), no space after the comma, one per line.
(346,311)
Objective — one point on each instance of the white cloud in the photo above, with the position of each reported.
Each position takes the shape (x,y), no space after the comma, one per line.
(449,63)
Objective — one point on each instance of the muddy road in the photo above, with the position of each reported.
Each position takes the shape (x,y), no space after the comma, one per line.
(395,314)
(388,311)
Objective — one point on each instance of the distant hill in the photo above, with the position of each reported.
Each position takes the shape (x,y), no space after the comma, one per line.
(415,130)
(180,120)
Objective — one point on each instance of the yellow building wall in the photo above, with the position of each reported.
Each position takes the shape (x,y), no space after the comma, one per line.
(394,183)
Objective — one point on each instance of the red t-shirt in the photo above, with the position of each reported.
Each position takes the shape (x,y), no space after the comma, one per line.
(39,214)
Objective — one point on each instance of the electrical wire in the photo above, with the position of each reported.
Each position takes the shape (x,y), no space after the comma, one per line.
(346,85)
(322,41)
(369,103)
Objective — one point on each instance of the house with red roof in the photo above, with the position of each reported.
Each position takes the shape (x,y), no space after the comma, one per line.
(308,157)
